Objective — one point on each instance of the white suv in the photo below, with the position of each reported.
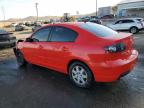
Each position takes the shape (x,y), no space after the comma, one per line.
(133,25)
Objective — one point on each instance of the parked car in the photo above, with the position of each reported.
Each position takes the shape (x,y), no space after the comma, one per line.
(6,39)
(133,25)
(87,52)
(83,19)
(97,21)
(107,16)
(141,20)
(13,24)
(36,27)
(19,28)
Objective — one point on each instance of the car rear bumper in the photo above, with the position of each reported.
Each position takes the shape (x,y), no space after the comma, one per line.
(110,71)
(7,43)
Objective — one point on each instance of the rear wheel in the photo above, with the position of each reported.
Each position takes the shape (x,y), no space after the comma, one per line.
(133,30)
(20,59)
(80,75)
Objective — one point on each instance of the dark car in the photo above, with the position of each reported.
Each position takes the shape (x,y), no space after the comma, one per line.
(6,39)
(97,21)
(19,28)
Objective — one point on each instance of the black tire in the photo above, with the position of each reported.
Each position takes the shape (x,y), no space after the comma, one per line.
(87,73)
(20,59)
(133,30)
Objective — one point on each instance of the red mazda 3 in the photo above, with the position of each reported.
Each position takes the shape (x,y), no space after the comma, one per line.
(87,52)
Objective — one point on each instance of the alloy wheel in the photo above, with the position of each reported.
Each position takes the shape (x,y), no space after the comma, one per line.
(79,75)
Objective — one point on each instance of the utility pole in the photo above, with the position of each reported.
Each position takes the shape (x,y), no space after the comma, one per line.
(36,5)
(96,8)
(3,11)
(77,12)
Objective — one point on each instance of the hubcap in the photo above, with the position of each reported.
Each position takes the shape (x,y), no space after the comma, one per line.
(79,75)
(133,30)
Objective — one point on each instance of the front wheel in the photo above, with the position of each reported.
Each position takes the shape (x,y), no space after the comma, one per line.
(20,59)
(80,75)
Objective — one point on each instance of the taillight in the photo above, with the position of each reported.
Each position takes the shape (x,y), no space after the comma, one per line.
(141,23)
(115,48)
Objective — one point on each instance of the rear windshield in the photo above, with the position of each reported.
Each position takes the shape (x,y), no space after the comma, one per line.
(98,30)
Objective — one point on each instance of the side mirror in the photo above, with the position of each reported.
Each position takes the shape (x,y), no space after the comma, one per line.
(29,40)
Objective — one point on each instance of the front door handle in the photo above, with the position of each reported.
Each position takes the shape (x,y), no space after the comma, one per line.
(40,46)
(65,48)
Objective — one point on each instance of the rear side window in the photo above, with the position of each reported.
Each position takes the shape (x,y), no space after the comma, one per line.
(140,19)
(62,34)
(98,30)
(119,22)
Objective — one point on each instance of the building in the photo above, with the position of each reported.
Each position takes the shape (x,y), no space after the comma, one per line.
(131,8)
(103,11)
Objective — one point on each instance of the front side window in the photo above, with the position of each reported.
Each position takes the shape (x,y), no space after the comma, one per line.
(41,35)
(62,34)
(118,22)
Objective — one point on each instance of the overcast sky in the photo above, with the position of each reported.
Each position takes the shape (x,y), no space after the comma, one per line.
(24,8)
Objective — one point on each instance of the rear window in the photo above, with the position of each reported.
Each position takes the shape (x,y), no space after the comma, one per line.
(98,30)
(140,19)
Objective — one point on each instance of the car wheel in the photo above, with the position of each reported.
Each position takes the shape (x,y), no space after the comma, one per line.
(133,30)
(80,75)
(20,59)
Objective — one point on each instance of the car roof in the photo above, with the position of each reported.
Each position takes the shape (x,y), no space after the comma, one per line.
(136,18)
(76,24)
(129,18)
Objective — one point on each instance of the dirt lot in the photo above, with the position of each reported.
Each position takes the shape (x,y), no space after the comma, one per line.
(37,87)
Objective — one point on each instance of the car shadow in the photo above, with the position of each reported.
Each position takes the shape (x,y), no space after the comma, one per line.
(61,81)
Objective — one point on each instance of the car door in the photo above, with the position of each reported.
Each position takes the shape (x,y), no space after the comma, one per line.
(126,24)
(117,25)
(34,49)
(58,49)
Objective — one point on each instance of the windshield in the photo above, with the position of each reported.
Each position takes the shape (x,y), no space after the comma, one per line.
(3,31)
(98,30)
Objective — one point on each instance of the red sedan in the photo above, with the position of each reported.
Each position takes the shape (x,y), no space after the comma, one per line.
(84,51)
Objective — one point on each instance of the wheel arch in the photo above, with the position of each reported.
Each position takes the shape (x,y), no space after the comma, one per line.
(81,61)
(137,29)
(134,26)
